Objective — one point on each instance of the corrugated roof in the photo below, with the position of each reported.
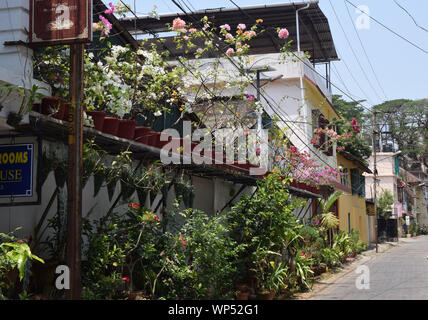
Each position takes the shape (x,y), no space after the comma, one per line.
(315,34)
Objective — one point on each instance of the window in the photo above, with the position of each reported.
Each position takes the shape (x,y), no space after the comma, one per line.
(344,176)
(358,183)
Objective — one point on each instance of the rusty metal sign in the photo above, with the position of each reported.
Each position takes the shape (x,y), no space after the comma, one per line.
(60,21)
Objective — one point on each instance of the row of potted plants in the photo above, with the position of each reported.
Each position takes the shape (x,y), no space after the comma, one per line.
(58,108)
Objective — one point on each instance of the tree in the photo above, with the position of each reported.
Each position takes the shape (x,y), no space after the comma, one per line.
(406,122)
(328,219)
(384,204)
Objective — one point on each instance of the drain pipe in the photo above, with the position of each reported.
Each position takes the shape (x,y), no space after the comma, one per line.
(302,89)
(298,25)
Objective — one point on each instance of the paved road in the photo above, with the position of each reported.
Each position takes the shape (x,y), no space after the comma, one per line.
(401,273)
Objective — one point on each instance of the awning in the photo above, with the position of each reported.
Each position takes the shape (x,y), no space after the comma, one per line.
(315,33)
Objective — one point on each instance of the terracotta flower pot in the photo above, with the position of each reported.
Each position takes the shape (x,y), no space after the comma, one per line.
(266,295)
(153,138)
(243,295)
(98,119)
(140,132)
(57,107)
(126,129)
(111,126)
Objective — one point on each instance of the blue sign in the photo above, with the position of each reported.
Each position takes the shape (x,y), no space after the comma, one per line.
(17,170)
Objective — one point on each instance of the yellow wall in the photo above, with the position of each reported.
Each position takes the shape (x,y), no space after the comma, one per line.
(353,205)
(314,96)
(356,206)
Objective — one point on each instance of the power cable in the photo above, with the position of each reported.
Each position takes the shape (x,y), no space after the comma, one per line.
(365,52)
(389,29)
(353,51)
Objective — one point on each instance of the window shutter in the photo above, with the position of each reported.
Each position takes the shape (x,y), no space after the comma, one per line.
(355,180)
(363,186)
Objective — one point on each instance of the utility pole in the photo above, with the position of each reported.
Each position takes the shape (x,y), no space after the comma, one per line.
(375,176)
(74,185)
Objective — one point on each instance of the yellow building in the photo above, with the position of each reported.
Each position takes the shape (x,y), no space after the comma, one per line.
(351,206)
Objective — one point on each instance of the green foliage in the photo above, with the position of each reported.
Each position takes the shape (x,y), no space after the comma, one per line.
(14,255)
(202,258)
(195,260)
(407,121)
(384,204)
(264,224)
(357,145)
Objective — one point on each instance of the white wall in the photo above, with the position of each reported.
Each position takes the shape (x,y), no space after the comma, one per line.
(16,65)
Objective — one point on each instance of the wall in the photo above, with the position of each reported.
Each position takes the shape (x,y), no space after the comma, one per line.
(16,66)
(353,205)
(356,207)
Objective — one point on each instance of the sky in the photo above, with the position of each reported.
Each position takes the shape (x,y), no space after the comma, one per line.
(400,69)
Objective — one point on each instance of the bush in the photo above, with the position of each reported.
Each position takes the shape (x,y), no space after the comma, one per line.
(202,259)
(195,260)
(268,231)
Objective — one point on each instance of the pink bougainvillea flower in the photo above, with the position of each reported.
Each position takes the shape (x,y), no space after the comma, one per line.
(225,27)
(354,122)
(251,33)
(178,24)
(134,206)
(230,51)
(241,26)
(183,243)
(111,10)
(250,98)
(283,33)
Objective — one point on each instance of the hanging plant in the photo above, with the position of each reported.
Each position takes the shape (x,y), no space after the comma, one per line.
(46,168)
(60,175)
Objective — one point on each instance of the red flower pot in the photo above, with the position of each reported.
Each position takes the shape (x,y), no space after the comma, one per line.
(126,129)
(57,107)
(98,118)
(111,126)
(243,295)
(140,132)
(153,138)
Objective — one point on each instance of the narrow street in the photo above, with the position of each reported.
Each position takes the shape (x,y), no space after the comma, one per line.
(400,273)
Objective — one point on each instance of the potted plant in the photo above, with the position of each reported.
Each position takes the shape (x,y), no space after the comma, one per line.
(111,126)
(126,129)
(273,281)
(98,118)
(140,132)
(29,96)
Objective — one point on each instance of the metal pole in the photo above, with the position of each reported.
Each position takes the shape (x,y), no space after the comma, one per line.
(74,184)
(375,177)
(259,116)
